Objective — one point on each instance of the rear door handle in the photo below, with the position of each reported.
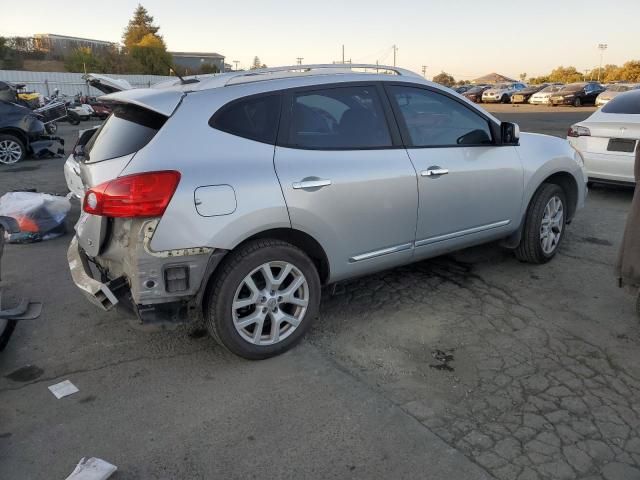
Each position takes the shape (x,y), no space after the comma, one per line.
(311,184)
(434,172)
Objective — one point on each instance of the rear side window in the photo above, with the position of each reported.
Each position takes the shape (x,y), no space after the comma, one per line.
(254,118)
(127,130)
(625,103)
(343,118)
(435,120)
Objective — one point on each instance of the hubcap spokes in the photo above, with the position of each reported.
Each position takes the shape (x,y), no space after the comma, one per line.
(552,224)
(10,152)
(270,303)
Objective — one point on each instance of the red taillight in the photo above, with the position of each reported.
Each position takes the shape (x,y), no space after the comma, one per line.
(140,195)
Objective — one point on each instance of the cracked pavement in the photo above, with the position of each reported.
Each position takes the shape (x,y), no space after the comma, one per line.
(467,366)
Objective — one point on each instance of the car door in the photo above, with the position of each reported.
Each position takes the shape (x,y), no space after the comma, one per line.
(470,188)
(346,178)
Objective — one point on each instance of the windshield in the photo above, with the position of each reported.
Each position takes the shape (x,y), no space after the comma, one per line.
(127,130)
(619,88)
(628,103)
(574,87)
(501,86)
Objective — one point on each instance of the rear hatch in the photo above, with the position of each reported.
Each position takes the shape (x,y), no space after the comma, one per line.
(612,133)
(135,121)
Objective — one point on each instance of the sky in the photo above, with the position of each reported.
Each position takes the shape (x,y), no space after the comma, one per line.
(466,38)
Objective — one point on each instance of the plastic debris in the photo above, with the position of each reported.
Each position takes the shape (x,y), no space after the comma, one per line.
(63,389)
(92,469)
(40,216)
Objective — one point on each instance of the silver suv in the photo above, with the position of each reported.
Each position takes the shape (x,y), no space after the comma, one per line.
(237,196)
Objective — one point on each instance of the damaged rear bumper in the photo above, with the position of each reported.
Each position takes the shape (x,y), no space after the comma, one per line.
(98,293)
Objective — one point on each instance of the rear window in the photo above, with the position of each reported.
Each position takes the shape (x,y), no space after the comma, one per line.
(254,118)
(127,130)
(628,102)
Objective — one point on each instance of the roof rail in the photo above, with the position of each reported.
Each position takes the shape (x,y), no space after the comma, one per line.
(318,69)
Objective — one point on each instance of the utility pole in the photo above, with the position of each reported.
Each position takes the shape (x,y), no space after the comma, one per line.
(586,71)
(395,51)
(299,59)
(236,62)
(343,54)
(424,71)
(602,47)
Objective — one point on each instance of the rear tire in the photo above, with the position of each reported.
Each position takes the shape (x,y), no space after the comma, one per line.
(12,149)
(257,288)
(505,99)
(544,225)
(577,102)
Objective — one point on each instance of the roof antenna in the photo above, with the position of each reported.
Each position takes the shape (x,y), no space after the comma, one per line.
(182,80)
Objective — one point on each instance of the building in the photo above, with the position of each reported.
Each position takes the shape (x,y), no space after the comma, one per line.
(59,46)
(493,78)
(193,62)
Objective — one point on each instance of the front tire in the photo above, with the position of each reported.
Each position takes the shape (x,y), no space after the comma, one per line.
(12,149)
(263,299)
(544,226)
(505,99)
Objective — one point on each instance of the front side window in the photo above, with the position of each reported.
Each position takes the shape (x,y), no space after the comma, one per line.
(255,118)
(435,120)
(338,118)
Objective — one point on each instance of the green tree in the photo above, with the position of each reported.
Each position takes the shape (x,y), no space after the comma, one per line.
(256,63)
(445,79)
(139,26)
(10,59)
(151,55)
(81,60)
(565,75)
(523,77)
(630,71)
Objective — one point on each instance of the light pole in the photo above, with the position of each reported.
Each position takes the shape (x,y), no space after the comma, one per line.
(236,62)
(424,71)
(299,59)
(395,53)
(602,47)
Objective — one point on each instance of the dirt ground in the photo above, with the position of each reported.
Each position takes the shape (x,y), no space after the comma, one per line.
(472,365)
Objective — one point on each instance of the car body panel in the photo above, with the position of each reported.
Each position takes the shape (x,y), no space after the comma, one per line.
(602,163)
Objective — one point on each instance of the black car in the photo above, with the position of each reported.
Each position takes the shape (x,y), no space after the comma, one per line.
(524,95)
(19,129)
(577,94)
(463,88)
(475,93)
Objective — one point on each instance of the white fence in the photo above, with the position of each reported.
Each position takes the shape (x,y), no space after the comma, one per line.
(70,83)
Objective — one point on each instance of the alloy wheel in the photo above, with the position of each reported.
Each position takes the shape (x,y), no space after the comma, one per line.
(10,152)
(552,225)
(270,303)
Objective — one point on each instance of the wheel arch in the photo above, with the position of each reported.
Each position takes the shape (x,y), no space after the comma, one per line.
(569,185)
(16,132)
(297,238)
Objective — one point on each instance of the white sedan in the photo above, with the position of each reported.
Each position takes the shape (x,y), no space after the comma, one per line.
(608,139)
(543,96)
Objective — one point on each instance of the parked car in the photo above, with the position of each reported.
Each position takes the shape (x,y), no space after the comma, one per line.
(543,97)
(463,88)
(525,94)
(475,94)
(19,129)
(613,90)
(608,139)
(237,196)
(502,92)
(577,94)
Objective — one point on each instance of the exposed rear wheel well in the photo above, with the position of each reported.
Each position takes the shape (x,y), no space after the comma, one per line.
(19,134)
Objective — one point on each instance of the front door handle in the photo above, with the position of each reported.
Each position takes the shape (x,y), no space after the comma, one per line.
(311,184)
(434,172)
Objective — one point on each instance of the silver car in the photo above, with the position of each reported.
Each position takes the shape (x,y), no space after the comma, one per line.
(613,91)
(236,197)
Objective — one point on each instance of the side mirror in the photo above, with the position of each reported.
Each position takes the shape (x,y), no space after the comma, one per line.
(510,133)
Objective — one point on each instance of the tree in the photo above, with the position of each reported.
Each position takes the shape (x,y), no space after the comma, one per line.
(139,26)
(523,77)
(445,79)
(256,63)
(151,55)
(83,60)
(565,75)
(9,57)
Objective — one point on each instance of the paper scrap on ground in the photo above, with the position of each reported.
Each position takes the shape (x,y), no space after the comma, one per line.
(92,469)
(63,389)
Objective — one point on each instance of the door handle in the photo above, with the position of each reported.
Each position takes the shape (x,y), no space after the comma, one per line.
(434,172)
(311,184)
